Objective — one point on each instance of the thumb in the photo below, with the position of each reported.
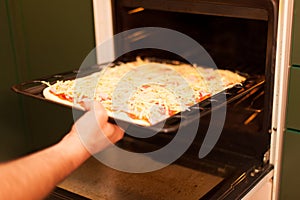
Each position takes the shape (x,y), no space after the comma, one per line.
(97,109)
(87,104)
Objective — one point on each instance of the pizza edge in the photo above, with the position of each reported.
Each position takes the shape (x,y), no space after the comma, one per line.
(117,116)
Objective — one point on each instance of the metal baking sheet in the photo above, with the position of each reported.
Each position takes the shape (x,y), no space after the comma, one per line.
(34,88)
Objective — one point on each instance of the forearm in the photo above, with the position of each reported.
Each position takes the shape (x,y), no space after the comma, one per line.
(33,177)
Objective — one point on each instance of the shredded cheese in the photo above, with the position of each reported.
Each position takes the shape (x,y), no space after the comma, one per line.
(146,90)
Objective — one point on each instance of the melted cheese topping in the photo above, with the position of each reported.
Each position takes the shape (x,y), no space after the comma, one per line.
(147,91)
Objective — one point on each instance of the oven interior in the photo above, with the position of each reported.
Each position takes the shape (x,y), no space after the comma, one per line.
(242,40)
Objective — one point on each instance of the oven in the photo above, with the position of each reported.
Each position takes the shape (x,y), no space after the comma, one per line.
(240,36)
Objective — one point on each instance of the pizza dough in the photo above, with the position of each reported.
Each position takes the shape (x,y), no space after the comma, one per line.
(144,92)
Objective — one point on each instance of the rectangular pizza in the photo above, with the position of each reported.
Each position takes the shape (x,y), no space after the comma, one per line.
(143,91)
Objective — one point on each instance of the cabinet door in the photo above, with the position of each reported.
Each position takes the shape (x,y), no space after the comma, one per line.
(293,105)
(13,141)
(49,37)
(295,58)
(58,36)
(289,184)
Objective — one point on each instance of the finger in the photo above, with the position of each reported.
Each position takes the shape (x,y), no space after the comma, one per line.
(118,134)
(97,109)
(113,132)
(99,112)
(87,104)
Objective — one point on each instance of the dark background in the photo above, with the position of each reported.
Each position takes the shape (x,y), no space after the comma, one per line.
(38,38)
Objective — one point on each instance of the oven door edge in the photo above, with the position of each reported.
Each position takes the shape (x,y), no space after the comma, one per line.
(282,65)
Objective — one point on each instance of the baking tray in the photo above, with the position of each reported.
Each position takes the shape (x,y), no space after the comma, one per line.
(34,88)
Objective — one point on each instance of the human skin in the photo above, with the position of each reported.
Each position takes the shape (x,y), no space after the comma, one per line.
(35,176)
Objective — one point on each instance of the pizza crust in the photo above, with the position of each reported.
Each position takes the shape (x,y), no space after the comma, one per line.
(50,96)
(121,116)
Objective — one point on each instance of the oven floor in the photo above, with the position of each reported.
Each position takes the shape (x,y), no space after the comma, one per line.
(97,181)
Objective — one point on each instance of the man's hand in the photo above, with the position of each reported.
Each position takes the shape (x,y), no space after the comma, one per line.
(94,130)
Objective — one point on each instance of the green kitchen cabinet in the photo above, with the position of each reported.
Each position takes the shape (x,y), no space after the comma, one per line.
(57,36)
(290,163)
(293,104)
(290,166)
(51,36)
(13,139)
(39,38)
(295,54)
